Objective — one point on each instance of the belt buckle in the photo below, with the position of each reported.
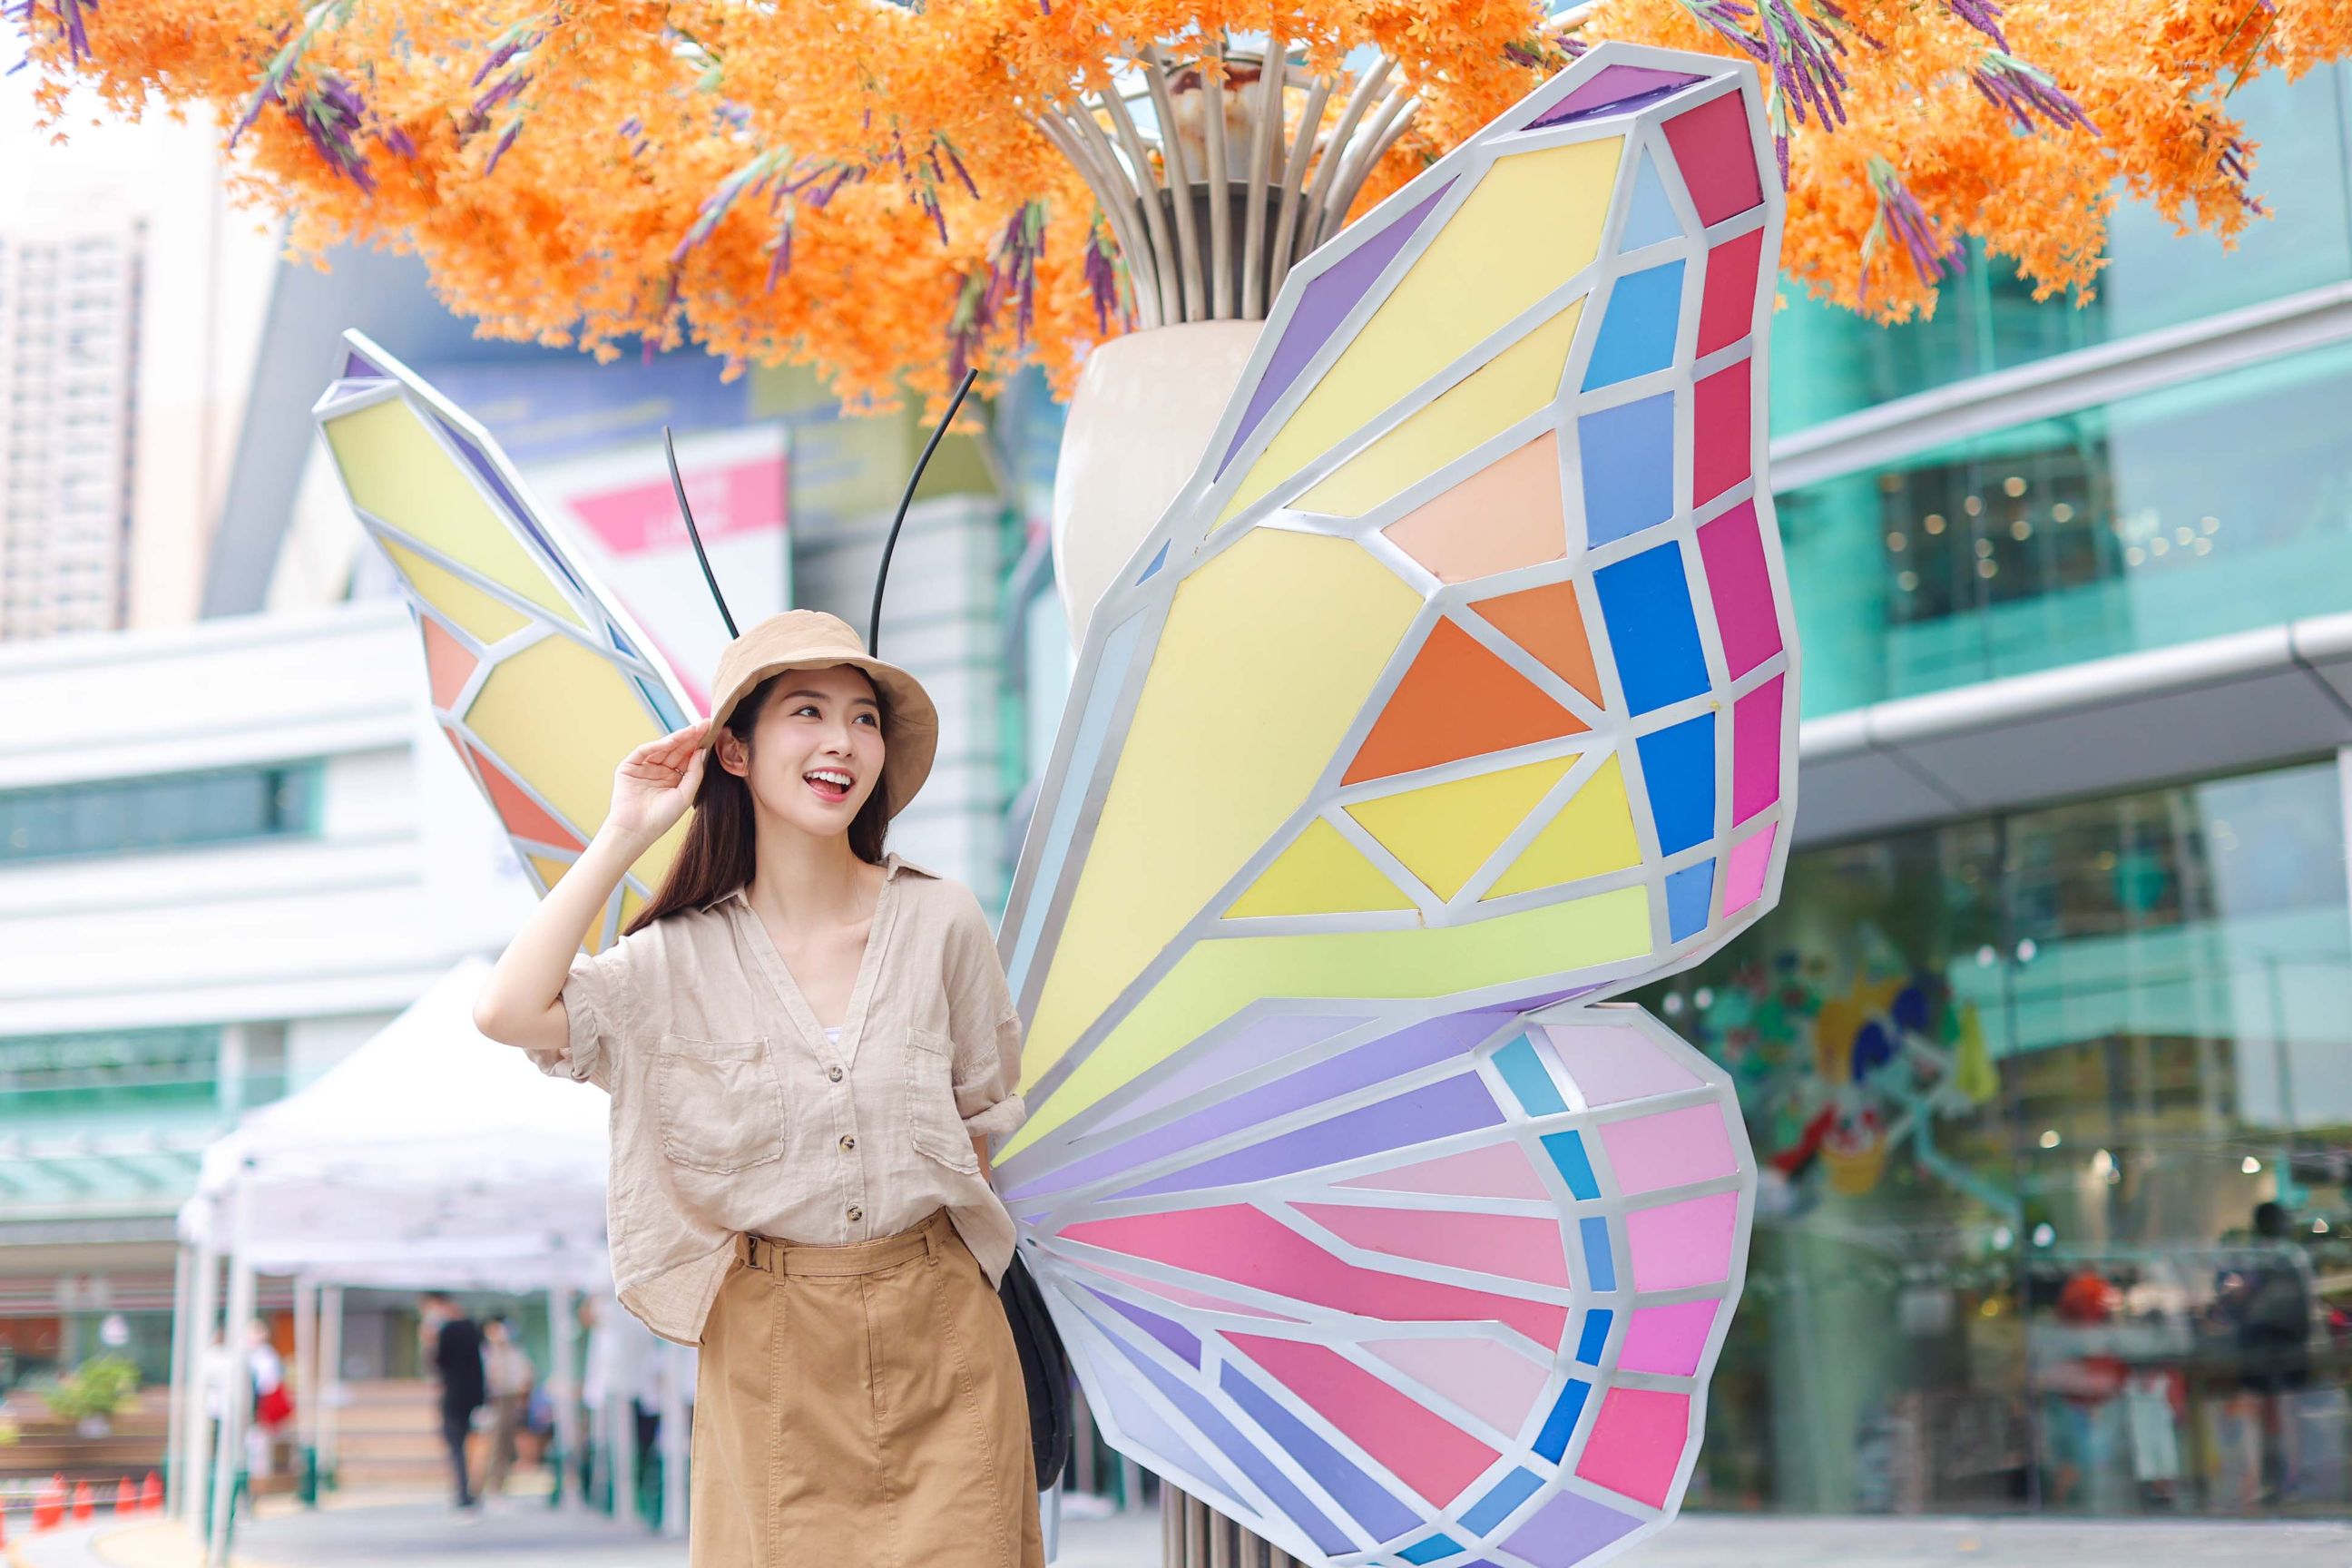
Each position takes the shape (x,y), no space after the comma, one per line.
(751,1250)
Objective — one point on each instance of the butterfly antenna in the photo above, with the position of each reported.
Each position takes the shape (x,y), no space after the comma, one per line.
(874,631)
(678,487)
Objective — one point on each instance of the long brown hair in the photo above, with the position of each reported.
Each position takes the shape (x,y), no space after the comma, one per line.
(721,839)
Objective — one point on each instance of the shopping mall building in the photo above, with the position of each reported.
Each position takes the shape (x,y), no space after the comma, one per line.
(2060,990)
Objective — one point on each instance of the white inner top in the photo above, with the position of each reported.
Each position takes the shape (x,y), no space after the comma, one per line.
(833,1034)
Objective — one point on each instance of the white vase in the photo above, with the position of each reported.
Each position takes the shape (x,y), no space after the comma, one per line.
(1141,416)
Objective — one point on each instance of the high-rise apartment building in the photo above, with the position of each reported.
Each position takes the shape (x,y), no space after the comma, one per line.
(69,313)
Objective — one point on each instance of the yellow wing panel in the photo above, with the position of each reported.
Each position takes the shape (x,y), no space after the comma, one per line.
(1533,223)
(1592,835)
(1272,644)
(1518,383)
(561,717)
(482,617)
(397,471)
(1321,873)
(1444,832)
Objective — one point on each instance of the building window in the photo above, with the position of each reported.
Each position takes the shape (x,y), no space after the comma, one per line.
(110,1073)
(2106,531)
(112,816)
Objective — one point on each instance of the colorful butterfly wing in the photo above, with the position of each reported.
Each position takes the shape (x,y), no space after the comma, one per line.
(538,677)
(1451,695)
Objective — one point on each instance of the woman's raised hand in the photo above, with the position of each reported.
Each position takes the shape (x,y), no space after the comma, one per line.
(655,785)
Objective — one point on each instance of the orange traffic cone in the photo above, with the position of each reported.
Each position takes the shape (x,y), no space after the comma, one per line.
(50,1504)
(84,1506)
(151,1495)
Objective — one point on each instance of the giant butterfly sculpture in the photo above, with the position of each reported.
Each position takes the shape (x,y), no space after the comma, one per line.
(1453,695)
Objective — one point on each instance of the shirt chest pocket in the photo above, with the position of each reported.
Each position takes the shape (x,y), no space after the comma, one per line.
(933,1124)
(718,1102)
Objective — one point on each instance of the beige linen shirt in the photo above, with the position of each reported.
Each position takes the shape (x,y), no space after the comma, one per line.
(732,1112)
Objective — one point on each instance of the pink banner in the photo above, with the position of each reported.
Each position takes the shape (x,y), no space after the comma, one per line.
(728,498)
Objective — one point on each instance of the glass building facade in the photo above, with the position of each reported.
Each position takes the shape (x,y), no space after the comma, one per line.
(2018,1086)
(2053,1107)
(2215,503)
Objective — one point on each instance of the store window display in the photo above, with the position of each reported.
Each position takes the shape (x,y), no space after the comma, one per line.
(2056,1121)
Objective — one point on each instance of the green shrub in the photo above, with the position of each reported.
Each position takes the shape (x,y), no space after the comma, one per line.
(100,1386)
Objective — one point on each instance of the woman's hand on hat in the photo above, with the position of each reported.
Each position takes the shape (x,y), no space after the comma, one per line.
(655,786)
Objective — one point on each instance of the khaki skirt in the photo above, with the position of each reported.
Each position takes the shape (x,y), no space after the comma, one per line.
(862,1407)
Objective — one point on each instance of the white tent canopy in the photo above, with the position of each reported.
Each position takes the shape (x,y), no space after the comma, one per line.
(430,1157)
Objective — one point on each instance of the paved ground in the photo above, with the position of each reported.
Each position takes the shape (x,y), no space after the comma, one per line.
(520,1534)
(529,1536)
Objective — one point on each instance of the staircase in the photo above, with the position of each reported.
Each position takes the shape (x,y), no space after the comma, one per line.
(388,1437)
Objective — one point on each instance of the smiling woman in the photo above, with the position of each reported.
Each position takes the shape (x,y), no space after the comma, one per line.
(808,1043)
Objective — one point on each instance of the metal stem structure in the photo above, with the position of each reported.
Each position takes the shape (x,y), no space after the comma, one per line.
(1194,1535)
(1232,181)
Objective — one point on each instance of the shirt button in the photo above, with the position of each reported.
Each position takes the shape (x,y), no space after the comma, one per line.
(849,1141)
(832,1073)
(855,1213)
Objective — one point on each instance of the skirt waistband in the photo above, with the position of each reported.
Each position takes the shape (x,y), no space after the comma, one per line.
(812,1258)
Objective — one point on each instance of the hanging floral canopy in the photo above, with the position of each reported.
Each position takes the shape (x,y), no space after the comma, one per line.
(893,191)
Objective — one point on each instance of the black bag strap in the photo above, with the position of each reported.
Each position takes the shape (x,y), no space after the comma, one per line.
(1044,1372)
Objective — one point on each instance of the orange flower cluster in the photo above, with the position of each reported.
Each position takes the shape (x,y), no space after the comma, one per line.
(844,182)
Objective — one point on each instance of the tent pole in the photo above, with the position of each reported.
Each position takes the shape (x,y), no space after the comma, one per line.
(306,1381)
(195,1486)
(562,1391)
(675,1441)
(184,1351)
(331,1382)
(621,1404)
(228,1448)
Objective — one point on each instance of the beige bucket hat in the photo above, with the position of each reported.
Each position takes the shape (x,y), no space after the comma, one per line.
(811,639)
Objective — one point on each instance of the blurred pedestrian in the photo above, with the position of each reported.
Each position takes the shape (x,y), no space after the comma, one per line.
(810,1044)
(509,1374)
(2266,1306)
(273,1408)
(2074,1368)
(455,1342)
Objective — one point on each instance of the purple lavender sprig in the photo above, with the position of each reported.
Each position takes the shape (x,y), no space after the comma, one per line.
(1013,270)
(2237,165)
(70,25)
(331,113)
(521,38)
(272,89)
(1728,19)
(1544,52)
(1932,257)
(2022,92)
(743,182)
(1837,16)
(1803,55)
(498,148)
(506,88)
(1103,274)
(968,324)
(780,254)
(955,161)
(1984,15)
